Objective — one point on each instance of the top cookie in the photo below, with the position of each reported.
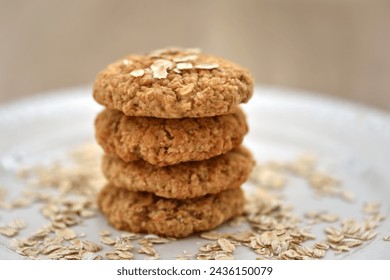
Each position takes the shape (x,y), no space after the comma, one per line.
(173,83)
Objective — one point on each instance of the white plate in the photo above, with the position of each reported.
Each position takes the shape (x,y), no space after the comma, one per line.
(352,142)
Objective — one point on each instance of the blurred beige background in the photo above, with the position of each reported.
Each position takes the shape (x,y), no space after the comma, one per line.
(335,47)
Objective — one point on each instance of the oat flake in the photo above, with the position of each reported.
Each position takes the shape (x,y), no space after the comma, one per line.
(160,67)
(137,73)
(207,66)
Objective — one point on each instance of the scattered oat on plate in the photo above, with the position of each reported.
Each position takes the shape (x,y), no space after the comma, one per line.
(275,231)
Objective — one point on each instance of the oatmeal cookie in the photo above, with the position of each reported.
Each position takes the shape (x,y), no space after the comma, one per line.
(148,213)
(168,141)
(183,180)
(173,83)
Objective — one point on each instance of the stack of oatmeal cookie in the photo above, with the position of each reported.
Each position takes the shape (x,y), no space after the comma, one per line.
(171,133)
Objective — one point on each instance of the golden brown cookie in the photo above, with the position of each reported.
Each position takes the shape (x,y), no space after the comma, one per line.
(173,83)
(148,213)
(168,141)
(183,180)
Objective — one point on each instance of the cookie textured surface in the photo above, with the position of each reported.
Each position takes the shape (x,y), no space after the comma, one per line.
(148,213)
(173,83)
(168,141)
(183,180)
